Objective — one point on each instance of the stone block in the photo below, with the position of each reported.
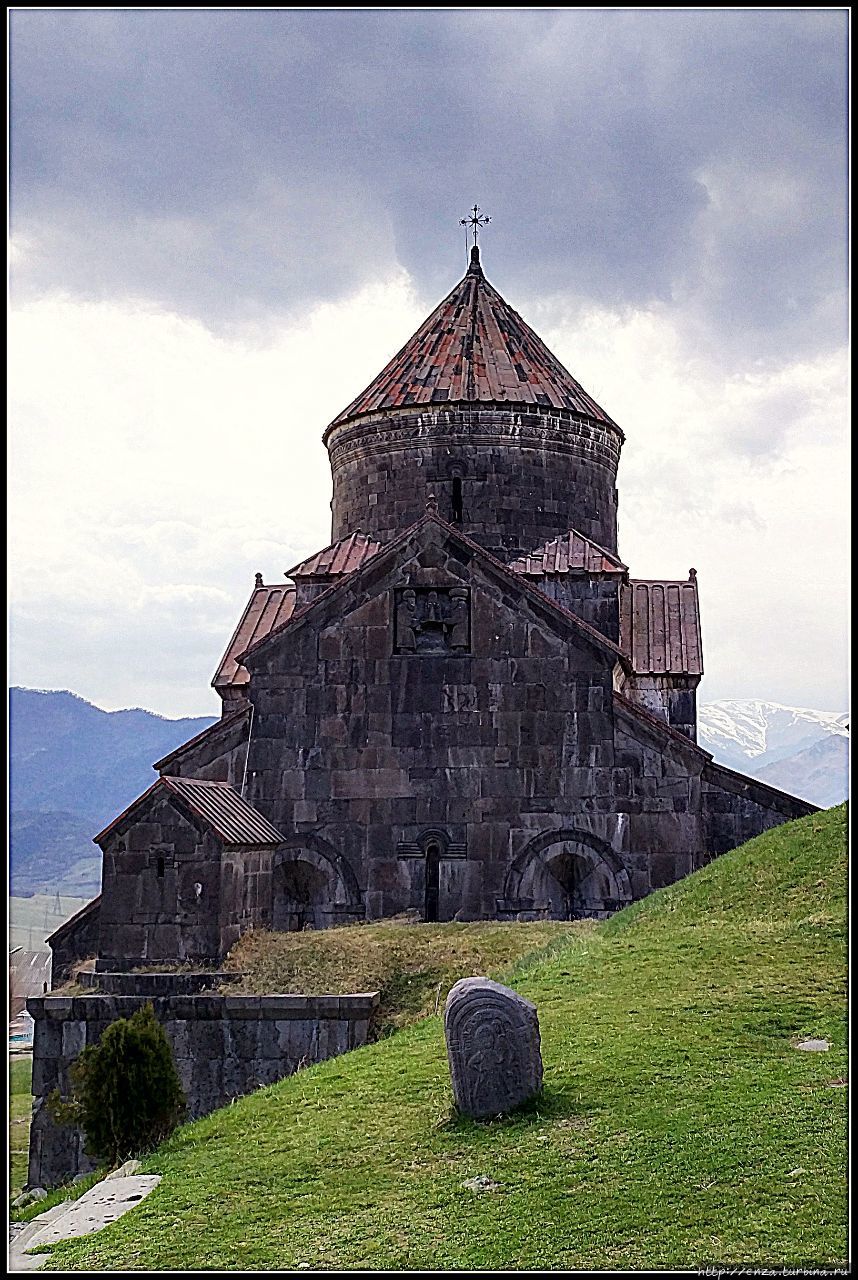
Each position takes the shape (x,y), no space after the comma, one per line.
(74,1038)
(47,1037)
(45,1074)
(57,1007)
(493,1047)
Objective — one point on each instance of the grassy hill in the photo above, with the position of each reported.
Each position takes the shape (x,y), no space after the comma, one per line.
(412,966)
(680,1126)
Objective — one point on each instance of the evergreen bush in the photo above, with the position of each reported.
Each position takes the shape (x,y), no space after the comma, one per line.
(125,1092)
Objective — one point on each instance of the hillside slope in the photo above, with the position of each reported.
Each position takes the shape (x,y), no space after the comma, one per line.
(680,1126)
(819,773)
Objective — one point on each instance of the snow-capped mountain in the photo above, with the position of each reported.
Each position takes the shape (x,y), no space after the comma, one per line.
(800,750)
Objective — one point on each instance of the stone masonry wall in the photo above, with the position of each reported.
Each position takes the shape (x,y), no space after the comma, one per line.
(595,600)
(224,1047)
(150,907)
(526,475)
(369,753)
(673,698)
(74,941)
(658,790)
(218,753)
(737,808)
(174,892)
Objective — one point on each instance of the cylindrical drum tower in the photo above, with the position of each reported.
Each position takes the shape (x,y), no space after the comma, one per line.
(477,411)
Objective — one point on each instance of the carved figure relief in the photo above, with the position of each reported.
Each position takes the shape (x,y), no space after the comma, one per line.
(492,1038)
(432,620)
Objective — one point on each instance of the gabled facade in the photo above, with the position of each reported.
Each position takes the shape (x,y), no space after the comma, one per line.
(464,706)
(186,868)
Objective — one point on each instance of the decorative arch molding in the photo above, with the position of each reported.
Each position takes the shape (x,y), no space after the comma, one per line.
(591,850)
(433,835)
(325,858)
(418,848)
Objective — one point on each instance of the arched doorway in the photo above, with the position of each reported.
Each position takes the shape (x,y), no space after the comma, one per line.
(433,881)
(568,875)
(312,887)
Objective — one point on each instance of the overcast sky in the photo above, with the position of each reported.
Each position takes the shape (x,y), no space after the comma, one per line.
(224,223)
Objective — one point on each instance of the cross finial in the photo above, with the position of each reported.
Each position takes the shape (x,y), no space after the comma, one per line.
(475,221)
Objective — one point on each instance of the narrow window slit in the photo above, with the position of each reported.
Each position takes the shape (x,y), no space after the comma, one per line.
(457,500)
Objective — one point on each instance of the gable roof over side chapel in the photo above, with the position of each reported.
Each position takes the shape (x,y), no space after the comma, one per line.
(214,804)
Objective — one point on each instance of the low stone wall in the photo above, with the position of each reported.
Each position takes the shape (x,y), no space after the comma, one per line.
(224,1047)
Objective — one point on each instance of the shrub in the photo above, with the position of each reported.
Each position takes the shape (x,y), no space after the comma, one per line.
(125,1092)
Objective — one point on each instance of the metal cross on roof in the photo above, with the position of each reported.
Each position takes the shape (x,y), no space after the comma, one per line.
(475,221)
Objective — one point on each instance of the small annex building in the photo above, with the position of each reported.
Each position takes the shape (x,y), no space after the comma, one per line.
(465,705)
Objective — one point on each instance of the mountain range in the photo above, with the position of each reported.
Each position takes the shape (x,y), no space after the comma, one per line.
(73,767)
(795,749)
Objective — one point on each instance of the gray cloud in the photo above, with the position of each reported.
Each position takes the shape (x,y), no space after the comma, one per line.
(236,166)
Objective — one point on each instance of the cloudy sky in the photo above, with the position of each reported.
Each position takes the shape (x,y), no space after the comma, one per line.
(224,223)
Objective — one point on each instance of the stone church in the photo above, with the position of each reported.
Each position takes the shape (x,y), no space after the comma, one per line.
(464,706)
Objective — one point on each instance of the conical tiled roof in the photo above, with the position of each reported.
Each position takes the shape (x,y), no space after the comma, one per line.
(474,347)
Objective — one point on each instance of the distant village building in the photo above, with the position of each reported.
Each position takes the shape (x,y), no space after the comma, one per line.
(465,705)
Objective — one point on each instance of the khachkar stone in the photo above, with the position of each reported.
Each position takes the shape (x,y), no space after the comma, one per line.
(493,1047)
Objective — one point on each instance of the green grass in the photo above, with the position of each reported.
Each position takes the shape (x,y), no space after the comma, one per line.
(20,1111)
(20,1108)
(679,1125)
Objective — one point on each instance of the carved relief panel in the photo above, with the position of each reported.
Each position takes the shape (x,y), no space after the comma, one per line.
(432,620)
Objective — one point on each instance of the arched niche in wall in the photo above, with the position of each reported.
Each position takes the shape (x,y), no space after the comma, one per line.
(567,874)
(312,886)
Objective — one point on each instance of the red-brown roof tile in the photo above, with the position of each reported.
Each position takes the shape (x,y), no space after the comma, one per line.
(267,608)
(474,347)
(341,557)
(570,553)
(660,627)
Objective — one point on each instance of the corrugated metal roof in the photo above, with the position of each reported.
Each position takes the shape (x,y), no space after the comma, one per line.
(660,627)
(340,557)
(570,553)
(474,347)
(267,608)
(219,806)
(223,809)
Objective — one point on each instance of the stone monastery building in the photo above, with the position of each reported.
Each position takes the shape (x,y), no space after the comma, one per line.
(465,705)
